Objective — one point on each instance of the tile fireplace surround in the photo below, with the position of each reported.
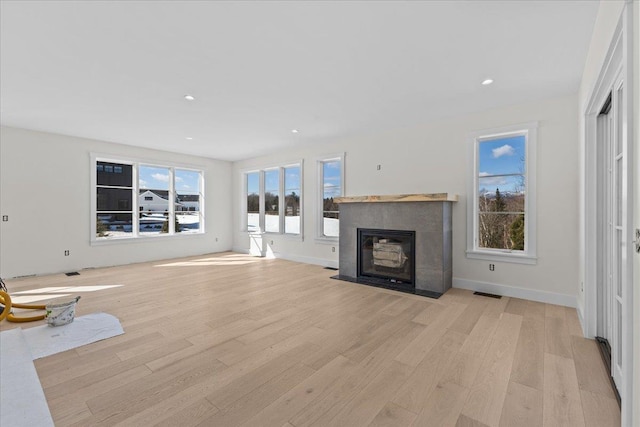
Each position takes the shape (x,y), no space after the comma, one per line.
(429,215)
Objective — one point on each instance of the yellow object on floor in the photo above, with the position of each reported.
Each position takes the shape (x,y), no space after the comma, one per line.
(5,300)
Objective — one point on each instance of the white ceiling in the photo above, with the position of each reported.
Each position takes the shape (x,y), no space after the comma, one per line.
(118,71)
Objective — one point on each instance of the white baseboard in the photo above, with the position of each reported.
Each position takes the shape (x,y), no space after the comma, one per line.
(297,258)
(512,291)
(307,260)
(240,250)
(580,310)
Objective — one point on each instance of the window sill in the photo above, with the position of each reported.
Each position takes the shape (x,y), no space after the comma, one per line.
(497,256)
(324,240)
(144,239)
(288,236)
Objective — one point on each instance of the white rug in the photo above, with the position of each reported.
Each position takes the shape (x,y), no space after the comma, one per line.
(22,400)
(46,340)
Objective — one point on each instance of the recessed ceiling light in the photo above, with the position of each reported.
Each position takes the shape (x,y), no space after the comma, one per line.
(487,82)
(294,130)
(189,138)
(189,97)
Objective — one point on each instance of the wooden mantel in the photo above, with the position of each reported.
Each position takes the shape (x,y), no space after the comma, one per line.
(434,197)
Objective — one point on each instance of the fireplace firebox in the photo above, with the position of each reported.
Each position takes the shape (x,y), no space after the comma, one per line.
(387,257)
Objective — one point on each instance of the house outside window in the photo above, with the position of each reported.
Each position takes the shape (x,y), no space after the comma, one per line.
(114,201)
(168,200)
(154,182)
(501,214)
(189,200)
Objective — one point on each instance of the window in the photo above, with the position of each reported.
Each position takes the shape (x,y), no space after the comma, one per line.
(292,191)
(114,201)
(253,201)
(188,190)
(167,200)
(501,213)
(330,182)
(274,199)
(154,183)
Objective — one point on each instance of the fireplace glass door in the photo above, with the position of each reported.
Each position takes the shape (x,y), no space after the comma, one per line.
(387,254)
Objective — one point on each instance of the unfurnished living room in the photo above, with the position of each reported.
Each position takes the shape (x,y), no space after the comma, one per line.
(327,213)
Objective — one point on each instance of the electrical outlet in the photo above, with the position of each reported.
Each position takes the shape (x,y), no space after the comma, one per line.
(637,241)
(492,267)
(5,218)
(379,167)
(333,248)
(216,239)
(271,243)
(66,252)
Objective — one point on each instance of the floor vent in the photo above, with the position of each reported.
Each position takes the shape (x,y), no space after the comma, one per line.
(73,273)
(484,294)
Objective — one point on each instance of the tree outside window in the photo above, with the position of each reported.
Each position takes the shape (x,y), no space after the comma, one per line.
(167,200)
(502,219)
(292,191)
(274,199)
(501,193)
(253,201)
(330,181)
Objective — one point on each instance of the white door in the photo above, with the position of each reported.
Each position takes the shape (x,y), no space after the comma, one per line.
(617,231)
(612,153)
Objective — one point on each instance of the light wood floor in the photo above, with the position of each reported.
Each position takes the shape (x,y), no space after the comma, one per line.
(225,340)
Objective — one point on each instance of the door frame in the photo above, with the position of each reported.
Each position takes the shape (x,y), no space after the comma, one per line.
(618,61)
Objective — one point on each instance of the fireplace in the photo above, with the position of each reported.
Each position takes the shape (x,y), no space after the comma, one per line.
(387,257)
(402,242)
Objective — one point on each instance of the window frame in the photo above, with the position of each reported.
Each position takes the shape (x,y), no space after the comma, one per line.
(319,208)
(136,163)
(529,254)
(281,168)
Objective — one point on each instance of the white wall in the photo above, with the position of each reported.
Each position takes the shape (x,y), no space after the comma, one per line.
(45,191)
(606,22)
(433,158)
